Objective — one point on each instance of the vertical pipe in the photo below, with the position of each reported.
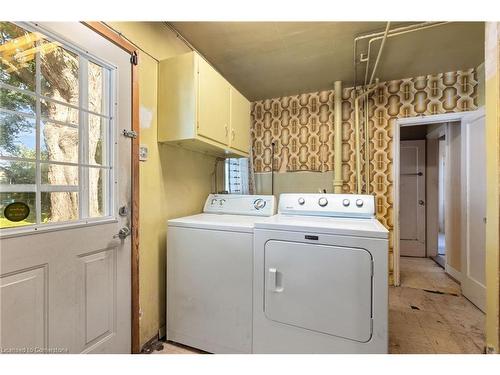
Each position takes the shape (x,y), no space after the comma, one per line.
(367,147)
(358,154)
(357,136)
(272,168)
(337,147)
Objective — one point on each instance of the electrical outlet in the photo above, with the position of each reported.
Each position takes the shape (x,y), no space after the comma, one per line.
(143,153)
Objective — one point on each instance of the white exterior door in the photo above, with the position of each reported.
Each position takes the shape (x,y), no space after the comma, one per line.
(412,198)
(474,210)
(65,277)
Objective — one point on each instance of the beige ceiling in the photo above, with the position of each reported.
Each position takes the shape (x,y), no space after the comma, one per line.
(271,59)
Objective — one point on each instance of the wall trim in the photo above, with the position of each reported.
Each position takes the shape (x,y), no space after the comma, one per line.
(104,31)
(455,274)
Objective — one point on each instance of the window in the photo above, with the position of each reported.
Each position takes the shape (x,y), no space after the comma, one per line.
(236,176)
(56,138)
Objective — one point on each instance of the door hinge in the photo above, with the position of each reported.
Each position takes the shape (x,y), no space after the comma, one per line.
(134,59)
(129,133)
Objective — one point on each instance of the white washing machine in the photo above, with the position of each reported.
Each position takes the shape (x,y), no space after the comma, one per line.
(210,272)
(321,277)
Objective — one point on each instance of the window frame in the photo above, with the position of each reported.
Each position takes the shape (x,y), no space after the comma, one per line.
(110,165)
(243,176)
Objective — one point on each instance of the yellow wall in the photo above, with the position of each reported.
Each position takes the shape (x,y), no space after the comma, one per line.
(173,182)
(492,72)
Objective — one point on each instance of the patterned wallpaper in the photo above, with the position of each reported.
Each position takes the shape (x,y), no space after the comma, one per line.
(302,128)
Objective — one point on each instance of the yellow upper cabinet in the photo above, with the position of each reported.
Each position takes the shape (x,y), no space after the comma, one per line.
(213,104)
(199,109)
(240,122)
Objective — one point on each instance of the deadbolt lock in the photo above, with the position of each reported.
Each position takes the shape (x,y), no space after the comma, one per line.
(123,211)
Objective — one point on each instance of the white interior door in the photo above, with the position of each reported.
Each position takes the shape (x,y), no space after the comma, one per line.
(474,209)
(65,282)
(412,198)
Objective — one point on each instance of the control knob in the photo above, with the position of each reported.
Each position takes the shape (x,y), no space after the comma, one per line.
(322,201)
(359,202)
(302,201)
(259,204)
(346,202)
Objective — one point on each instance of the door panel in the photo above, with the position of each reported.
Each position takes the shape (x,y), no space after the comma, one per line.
(86,270)
(98,295)
(412,198)
(474,225)
(322,288)
(24,309)
(213,104)
(240,122)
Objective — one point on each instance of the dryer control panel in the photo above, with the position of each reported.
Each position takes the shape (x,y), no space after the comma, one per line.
(238,204)
(335,205)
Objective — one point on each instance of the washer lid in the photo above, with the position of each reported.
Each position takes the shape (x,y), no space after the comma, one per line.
(225,222)
(325,225)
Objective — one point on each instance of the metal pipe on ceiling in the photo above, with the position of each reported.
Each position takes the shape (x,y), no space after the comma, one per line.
(393,33)
(374,37)
(379,35)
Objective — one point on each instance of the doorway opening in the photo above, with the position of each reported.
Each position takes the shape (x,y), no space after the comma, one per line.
(439,173)
(429,198)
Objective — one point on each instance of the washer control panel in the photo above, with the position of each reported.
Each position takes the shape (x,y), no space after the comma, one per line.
(338,205)
(236,204)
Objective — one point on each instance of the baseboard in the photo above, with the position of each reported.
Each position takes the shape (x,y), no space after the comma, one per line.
(456,275)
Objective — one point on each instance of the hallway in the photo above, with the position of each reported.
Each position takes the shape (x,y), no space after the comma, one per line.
(428,314)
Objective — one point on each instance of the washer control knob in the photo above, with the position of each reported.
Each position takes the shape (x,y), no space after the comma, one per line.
(346,202)
(214,201)
(302,201)
(359,202)
(221,202)
(259,204)
(322,201)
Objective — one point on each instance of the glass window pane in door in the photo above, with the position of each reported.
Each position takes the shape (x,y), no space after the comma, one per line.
(59,142)
(17,56)
(17,136)
(98,188)
(7,198)
(59,206)
(59,69)
(17,172)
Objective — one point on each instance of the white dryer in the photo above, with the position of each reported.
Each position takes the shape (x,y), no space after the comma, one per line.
(321,277)
(209,273)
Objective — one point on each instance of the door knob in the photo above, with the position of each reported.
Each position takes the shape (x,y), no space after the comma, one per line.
(421,202)
(123,233)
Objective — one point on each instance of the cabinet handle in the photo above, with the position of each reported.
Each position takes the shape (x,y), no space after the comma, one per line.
(232,135)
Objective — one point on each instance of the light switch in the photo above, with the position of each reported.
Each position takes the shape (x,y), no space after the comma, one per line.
(143,153)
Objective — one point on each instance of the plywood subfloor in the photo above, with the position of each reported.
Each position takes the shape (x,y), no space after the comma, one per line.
(427,314)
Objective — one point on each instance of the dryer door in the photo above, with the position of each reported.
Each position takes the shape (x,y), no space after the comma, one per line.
(322,288)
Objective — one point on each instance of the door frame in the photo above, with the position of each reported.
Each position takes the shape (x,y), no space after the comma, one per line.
(103,30)
(481,112)
(411,121)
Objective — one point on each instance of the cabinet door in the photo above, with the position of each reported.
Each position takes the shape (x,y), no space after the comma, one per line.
(240,122)
(213,104)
